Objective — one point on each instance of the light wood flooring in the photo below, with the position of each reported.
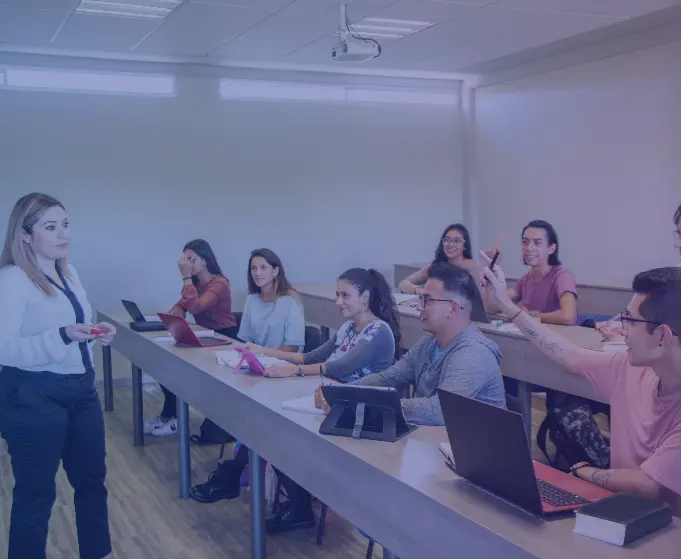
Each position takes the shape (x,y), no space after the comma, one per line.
(149,521)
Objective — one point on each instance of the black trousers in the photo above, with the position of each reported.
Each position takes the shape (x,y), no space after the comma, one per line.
(169,410)
(46,419)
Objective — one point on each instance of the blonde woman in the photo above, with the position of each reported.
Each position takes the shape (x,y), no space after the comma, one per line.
(49,408)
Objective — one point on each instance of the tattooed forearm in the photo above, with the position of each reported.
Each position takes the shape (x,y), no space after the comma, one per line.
(602,478)
(552,347)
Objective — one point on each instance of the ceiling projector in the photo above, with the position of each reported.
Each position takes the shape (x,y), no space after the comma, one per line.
(352,47)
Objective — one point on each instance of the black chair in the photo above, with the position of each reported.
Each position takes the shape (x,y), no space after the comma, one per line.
(313,338)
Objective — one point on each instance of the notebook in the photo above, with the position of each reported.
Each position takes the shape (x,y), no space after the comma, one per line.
(304,404)
(197,333)
(622,518)
(230,358)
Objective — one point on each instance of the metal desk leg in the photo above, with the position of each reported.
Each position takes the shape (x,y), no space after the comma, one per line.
(257,473)
(108,378)
(185,459)
(525,398)
(137,407)
(325,334)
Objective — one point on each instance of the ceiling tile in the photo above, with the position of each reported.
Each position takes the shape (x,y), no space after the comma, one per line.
(29,27)
(64,5)
(187,39)
(265,4)
(432,11)
(467,46)
(212,13)
(531,21)
(279,35)
(106,33)
(357,9)
(616,8)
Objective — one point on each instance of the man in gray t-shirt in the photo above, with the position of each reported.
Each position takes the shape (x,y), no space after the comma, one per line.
(453,355)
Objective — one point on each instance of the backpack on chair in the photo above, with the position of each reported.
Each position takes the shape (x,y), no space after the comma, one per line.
(575,434)
(211,433)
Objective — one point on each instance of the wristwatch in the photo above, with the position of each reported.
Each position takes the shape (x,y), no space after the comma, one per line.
(577,466)
(300,372)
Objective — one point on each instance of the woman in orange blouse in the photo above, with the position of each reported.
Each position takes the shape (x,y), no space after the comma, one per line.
(206,296)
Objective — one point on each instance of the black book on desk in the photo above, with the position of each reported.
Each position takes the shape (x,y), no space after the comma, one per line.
(622,518)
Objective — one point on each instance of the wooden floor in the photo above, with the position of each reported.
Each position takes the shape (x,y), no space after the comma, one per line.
(147,519)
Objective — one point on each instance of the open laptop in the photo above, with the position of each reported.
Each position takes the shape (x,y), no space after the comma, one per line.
(491,450)
(182,333)
(139,323)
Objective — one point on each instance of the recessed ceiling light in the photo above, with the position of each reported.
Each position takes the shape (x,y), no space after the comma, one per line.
(147,9)
(388,28)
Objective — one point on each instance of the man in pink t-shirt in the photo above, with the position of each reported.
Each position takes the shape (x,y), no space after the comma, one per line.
(548,287)
(643,384)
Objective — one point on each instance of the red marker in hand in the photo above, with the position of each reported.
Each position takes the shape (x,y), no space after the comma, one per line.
(95,331)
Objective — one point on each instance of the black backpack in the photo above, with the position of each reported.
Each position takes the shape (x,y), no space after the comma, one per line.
(576,436)
(211,433)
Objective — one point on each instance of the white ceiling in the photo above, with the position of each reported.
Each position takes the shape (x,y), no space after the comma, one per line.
(301,32)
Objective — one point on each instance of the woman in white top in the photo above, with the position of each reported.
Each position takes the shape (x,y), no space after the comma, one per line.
(49,408)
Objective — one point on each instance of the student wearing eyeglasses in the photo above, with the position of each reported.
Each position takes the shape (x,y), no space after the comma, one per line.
(642,384)
(454,354)
(455,248)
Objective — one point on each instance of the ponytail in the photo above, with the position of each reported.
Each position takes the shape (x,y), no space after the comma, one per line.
(382,304)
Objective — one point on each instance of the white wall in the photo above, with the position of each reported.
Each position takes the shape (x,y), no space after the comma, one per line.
(327,186)
(594,149)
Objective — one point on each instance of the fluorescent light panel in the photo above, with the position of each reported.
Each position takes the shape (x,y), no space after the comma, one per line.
(257,90)
(91,82)
(146,9)
(388,28)
(242,89)
(361,95)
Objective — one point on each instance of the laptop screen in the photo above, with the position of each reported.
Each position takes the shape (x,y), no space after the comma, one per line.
(491,450)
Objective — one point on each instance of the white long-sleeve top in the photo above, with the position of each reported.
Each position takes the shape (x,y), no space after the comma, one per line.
(30,322)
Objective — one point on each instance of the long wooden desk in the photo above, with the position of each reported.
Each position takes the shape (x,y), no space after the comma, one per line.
(520,360)
(400,493)
(593,299)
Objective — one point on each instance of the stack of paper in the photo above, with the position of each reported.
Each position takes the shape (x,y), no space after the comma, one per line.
(618,345)
(304,404)
(405,298)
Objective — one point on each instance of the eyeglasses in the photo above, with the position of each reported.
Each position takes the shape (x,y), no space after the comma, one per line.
(627,319)
(425,300)
(452,241)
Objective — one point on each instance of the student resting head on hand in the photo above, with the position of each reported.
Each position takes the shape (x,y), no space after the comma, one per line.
(206,295)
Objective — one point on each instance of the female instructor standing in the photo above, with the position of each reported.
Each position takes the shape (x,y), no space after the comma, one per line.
(49,408)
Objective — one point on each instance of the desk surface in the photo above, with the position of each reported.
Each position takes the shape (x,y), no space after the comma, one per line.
(401,493)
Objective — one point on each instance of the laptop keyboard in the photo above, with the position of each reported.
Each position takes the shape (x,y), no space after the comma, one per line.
(557,497)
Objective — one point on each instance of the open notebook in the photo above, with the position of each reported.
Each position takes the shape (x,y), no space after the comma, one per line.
(231,358)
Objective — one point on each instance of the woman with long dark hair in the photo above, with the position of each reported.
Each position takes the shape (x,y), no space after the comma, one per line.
(273,316)
(207,296)
(368,342)
(454,247)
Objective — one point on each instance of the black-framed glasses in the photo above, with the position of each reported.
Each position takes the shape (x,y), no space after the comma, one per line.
(627,319)
(425,300)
